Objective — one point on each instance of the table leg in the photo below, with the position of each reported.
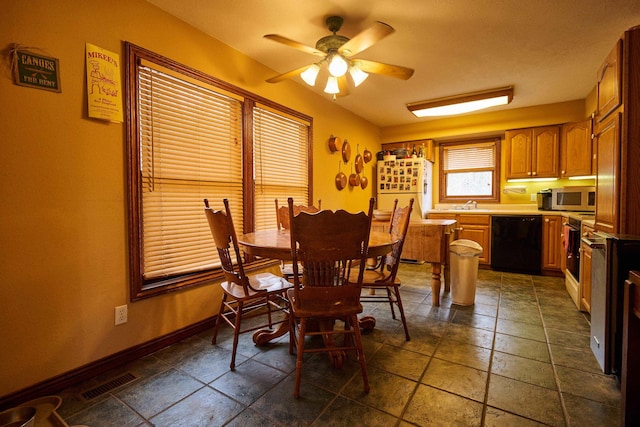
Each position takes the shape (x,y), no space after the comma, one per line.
(263,336)
(435,284)
(367,323)
(447,278)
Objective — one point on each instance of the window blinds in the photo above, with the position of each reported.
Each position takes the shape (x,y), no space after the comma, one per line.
(190,149)
(280,164)
(469,157)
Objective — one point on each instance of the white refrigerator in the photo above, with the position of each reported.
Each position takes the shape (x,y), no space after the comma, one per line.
(404,179)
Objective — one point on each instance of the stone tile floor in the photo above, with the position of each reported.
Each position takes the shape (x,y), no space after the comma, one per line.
(518,357)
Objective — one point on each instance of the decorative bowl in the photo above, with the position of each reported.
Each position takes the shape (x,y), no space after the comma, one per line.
(382,214)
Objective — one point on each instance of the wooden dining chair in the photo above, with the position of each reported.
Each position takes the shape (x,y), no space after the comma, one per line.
(282,213)
(326,243)
(384,277)
(243,296)
(282,216)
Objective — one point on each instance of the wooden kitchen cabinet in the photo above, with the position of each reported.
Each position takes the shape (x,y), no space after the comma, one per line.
(585,270)
(552,249)
(608,179)
(616,138)
(609,85)
(476,227)
(576,153)
(533,152)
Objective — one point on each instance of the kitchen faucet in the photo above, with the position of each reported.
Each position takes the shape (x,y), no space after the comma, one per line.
(470,202)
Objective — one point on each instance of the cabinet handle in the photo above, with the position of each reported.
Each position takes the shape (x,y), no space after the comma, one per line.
(459,229)
(546,220)
(564,172)
(528,173)
(535,173)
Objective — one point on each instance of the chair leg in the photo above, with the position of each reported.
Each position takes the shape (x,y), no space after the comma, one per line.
(292,332)
(390,296)
(300,352)
(360,351)
(236,334)
(396,291)
(269,312)
(216,328)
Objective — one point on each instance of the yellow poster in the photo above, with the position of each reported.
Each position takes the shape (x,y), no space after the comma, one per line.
(104,90)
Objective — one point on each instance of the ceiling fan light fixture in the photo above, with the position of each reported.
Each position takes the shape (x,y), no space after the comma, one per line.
(357,74)
(332,85)
(337,65)
(310,74)
(460,104)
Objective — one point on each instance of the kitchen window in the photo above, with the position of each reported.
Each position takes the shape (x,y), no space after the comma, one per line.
(191,137)
(469,170)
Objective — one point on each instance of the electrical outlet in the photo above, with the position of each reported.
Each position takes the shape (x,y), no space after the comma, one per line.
(121,314)
(534,197)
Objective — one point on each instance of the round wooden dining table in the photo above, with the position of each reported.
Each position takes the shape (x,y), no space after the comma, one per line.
(276,244)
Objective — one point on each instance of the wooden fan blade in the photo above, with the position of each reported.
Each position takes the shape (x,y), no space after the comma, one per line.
(343,86)
(287,75)
(396,71)
(366,38)
(294,44)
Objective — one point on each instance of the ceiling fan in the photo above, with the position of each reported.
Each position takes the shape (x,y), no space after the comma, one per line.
(338,57)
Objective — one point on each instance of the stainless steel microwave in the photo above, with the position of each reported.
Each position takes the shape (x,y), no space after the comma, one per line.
(574,199)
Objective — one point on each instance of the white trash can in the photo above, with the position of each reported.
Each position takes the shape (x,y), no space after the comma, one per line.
(464,270)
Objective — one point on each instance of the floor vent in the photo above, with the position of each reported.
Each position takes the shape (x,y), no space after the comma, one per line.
(108,386)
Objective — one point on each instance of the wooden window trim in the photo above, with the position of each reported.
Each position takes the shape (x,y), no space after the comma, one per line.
(495,186)
(135,55)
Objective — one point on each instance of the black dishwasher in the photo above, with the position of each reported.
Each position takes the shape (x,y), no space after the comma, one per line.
(516,243)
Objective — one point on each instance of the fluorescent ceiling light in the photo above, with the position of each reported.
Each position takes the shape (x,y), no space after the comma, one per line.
(310,74)
(460,104)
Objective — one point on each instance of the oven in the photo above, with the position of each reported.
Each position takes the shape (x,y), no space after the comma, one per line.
(571,242)
(572,246)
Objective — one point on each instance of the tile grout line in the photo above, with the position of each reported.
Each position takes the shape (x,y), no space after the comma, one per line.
(485,402)
(424,371)
(563,405)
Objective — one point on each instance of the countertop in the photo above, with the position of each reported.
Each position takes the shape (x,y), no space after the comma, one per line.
(506,209)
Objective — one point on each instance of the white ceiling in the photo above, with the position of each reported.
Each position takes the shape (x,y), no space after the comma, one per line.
(549,50)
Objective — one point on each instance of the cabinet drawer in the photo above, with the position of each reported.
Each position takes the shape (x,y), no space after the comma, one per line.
(440,216)
(470,219)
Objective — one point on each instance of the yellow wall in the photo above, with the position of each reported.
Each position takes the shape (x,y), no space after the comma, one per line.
(63,226)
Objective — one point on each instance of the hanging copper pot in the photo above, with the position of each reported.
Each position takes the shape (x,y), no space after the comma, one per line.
(346,151)
(359,162)
(367,156)
(341,179)
(364,182)
(335,143)
(354,179)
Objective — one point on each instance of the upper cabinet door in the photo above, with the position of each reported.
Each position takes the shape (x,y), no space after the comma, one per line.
(576,155)
(610,83)
(546,148)
(518,153)
(608,181)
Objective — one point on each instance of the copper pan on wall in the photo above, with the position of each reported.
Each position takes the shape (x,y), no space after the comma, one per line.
(335,144)
(346,151)
(341,179)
